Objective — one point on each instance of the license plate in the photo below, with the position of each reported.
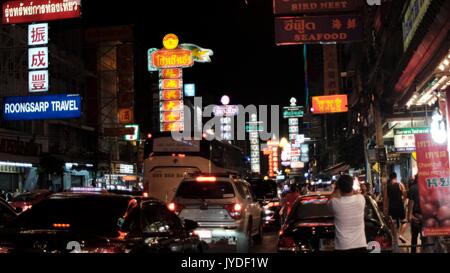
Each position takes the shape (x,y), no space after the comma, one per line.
(326,245)
(204,234)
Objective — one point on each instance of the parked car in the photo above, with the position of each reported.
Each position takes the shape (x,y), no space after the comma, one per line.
(266,192)
(25,201)
(7,213)
(98,223)
(225,209)
(310,226)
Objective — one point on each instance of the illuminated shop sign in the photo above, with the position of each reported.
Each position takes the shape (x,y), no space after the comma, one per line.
(42,107)
(312,6)
(317,29)
(330,104)
(28,11)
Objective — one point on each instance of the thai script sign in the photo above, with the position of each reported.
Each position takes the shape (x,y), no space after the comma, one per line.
(316,29)
(330,104)
(27,11)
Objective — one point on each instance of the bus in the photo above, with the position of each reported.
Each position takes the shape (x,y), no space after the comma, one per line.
(168,161)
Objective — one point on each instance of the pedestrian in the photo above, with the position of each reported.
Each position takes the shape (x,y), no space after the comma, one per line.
(348,209)
(415,217)
(288,201)
(396,194)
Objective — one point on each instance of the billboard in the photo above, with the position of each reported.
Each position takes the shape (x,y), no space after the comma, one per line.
(330,104)
(404,140)
(290,7)
(28,11)
(434,185)
(42,107)
(317,29)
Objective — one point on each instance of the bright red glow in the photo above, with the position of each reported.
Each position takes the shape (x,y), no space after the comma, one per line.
(61,225)
(149,135)
(172,207)
(206,179)
(237,207)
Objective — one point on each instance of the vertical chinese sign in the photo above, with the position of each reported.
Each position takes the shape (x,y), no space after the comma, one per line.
(293,113)
(170,61)
(273,157)
(38,77)
(434,187)
(253,128)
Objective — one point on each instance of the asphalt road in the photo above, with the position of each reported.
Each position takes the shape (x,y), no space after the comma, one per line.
(268,245)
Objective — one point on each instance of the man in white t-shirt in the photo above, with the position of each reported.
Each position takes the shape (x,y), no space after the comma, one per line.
(348,208)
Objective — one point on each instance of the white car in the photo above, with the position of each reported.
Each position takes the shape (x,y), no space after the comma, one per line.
(224,208)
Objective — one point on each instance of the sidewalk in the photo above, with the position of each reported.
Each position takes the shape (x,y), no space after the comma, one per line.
(406,247)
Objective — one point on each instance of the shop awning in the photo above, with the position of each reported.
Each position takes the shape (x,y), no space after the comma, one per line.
(337,169)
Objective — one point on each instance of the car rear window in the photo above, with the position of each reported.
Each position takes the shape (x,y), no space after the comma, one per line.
(262,188)
(311,208)
(205,190)
(25,197)
(98,216)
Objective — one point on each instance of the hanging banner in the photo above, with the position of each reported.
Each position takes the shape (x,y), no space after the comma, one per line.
(290,7)
(317,29)
(28,11)
(42,107)
(330,70)
(434,185)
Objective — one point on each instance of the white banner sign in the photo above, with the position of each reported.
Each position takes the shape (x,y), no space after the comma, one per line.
(37,58)
(38,81)
(38,34)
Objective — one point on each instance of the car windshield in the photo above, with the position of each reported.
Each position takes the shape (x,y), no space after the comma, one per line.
(311,208)
(205,190)
(97,216)
(264,189)
(27,197)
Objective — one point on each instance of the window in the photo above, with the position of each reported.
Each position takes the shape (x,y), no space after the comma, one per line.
(157,219)
(205,190)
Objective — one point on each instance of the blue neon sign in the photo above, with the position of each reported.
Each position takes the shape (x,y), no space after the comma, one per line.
(61,106)
(189,90)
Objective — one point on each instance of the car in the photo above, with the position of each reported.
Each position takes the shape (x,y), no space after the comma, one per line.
(26,200)
(266,192)
(309,227)
(227,213)
(96,222)
(7,213)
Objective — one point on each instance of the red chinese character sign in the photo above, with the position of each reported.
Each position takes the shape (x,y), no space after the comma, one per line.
(434,185)
(38,81)
(317,29)
(169,61)
(38,34)
(27,11)
(38,58)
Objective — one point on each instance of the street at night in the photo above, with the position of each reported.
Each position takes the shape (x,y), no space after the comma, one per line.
(225,127)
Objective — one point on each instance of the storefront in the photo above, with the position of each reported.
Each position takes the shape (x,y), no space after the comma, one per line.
(119,176)
(19,161)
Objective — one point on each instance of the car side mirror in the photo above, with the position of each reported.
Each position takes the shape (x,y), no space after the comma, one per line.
(190,225)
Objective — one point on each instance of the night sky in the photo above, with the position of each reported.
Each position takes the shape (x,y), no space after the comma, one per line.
(247,65)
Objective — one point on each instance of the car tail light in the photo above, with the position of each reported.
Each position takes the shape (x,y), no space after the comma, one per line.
(235,210)
(273,204)
(287,243)
(384,241)
(145,194)
(63,226)
(177,208)
(206,179)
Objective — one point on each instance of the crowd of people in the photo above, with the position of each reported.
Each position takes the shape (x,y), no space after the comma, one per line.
(348,207)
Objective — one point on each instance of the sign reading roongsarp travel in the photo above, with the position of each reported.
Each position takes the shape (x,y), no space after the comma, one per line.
(59,106)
